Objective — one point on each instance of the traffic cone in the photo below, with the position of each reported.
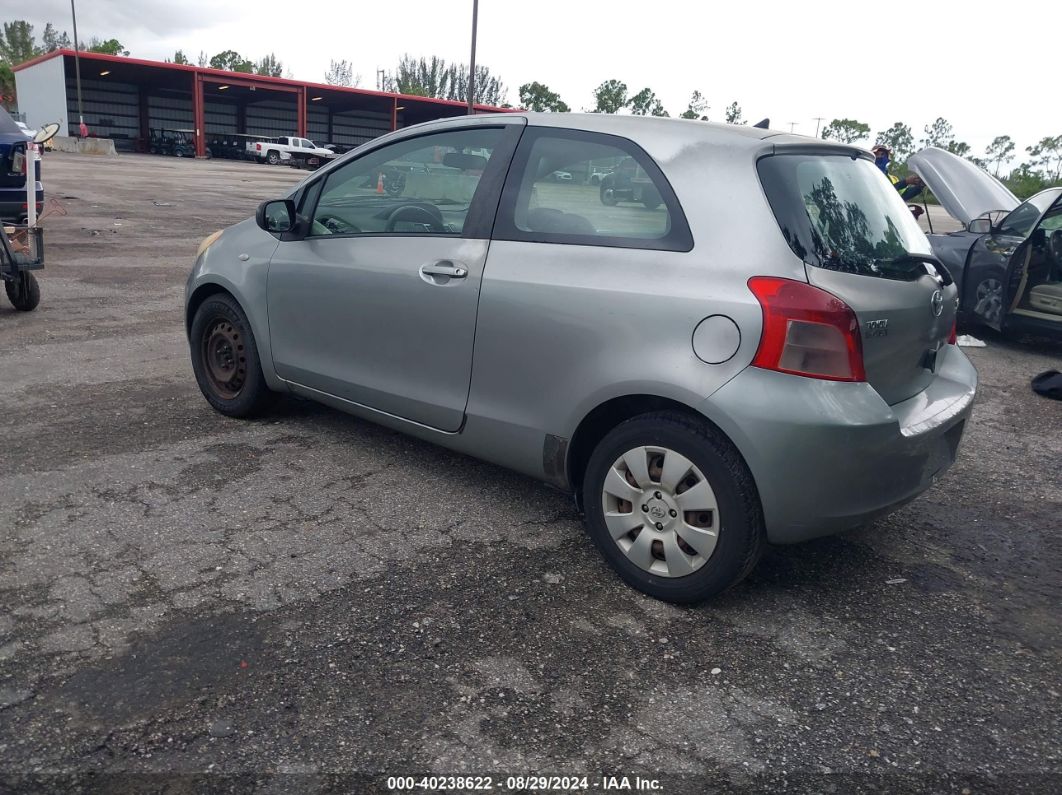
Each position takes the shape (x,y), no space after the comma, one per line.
(379,184)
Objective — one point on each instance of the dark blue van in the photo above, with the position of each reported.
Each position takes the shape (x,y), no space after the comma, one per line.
(13,171)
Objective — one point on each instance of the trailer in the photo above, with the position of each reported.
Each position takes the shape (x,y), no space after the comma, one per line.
(21,253)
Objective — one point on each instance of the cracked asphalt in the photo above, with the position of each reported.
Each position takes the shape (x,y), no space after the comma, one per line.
(310,603)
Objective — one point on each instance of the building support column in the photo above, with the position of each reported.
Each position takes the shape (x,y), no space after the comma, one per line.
(144,144)
(301,113)
(198,117)
(331,136)
(394,114)
(241,118)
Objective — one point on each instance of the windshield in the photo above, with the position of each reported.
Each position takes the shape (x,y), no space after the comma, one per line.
(842,214)
(1020,223)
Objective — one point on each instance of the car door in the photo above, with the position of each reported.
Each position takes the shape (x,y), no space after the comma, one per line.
(377,304)
(999,261)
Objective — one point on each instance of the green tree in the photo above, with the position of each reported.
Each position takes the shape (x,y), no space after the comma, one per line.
(938,134)
(7,86)
(232,61)
(203,60)
(537,97)
(489,89)
(1000,151)
(697,109)
(180,57)
(341,73)
(645,103)
(899,140)
(960,148)
(269,66)
(1024,181)
(733,113)
(54,41)
(1047,156)
(847,131)
(610,97)
(17,43)
(108,47)
(419,77)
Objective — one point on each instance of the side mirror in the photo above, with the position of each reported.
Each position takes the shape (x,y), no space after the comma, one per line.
(979,226)
(276,216)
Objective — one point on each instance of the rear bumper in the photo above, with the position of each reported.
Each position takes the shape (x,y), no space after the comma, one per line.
(827,456)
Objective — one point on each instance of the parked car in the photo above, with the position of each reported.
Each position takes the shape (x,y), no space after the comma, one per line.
(13,141)
(718,372)
(286,148)
(1007,260)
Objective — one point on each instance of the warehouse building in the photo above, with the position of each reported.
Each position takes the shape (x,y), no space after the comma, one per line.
(126,99)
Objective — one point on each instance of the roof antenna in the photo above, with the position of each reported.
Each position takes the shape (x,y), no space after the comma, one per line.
(763,124)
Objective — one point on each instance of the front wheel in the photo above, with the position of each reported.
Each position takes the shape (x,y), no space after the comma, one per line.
(24,292)
(225,358)
(672,507)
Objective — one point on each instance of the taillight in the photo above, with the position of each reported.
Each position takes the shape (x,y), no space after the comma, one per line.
(953,335)
(258,147)
(807,331)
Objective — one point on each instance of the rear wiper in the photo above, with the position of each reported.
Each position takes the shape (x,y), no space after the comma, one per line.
(934,267)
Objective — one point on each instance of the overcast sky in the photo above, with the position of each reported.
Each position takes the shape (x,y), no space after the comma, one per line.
(987,68)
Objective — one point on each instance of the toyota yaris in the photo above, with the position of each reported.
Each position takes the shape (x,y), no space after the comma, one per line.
(764,355)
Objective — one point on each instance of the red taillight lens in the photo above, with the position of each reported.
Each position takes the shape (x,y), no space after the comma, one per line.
(258,147)
(807,331)
(953,336)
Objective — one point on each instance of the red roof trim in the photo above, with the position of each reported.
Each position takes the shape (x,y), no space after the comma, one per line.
(263,80)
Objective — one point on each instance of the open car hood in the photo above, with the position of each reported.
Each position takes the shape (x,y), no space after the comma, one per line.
(964,190)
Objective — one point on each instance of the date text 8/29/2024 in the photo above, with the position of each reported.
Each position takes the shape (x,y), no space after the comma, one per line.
(523,783)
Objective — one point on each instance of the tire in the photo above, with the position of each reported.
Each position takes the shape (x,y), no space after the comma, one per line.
(24,292)
(608,194)
(273,157)
(220,335)
(736,522)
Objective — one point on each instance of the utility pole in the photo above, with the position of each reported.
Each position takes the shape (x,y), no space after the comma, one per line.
(818,122)
(380,74)
(77,69)
(472,63)
(792,125)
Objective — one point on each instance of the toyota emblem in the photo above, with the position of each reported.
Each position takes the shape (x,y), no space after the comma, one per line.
(937,302)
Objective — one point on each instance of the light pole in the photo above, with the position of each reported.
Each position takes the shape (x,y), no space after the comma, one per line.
(818,123)
(472,64)
(77,70)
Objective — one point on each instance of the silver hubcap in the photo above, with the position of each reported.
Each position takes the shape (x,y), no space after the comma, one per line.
(661,511)
(989,297)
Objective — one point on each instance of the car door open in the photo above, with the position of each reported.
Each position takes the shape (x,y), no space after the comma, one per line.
(377,304)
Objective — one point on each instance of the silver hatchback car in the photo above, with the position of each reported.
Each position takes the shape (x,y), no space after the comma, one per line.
(745,339)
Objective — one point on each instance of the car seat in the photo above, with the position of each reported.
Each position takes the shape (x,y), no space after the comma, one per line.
(1046,298)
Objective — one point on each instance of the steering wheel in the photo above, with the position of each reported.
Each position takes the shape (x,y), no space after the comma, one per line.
(1056,247)
(417,214)
(328,224)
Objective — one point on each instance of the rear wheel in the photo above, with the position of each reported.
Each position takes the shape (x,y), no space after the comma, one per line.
(273,158)
(24,292)
(608,194)
(673,508)
(225,358)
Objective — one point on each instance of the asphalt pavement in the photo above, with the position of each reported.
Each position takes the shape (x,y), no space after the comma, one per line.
(310,603)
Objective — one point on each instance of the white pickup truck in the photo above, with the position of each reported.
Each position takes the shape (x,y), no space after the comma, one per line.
(287,148)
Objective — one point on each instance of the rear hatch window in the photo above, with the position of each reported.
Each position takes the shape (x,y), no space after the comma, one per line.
(836,215)
(859,241)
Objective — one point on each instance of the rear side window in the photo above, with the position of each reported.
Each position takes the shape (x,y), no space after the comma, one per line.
(567,186)
(843,214)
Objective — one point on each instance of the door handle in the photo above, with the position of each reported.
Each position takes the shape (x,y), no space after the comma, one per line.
(445,267)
